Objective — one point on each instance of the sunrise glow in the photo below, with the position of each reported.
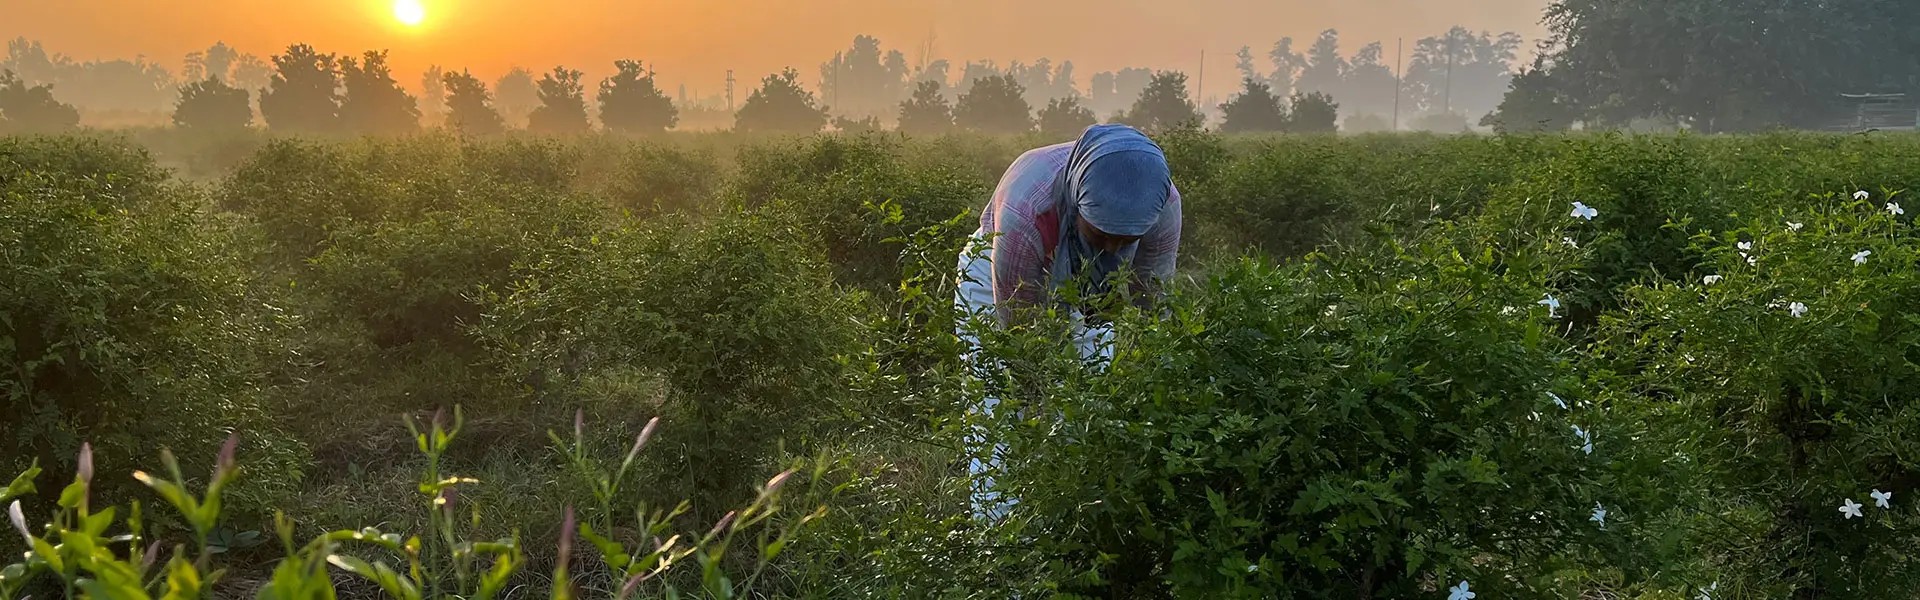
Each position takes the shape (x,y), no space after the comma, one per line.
(409,12)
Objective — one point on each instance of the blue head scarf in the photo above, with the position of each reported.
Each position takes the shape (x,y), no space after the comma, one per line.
(1118,181)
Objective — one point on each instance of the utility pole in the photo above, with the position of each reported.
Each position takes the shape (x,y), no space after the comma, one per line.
(1399,78)
(1449,97)
(729,90)
(1200,88)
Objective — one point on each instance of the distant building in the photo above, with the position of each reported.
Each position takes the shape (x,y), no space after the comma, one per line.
(1885,112)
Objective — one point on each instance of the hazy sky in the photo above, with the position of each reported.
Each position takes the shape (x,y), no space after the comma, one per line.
(695,41)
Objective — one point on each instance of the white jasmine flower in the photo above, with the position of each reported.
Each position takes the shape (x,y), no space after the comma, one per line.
(1582,211)
(1850,509)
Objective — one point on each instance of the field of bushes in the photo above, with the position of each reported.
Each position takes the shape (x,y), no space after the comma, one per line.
(1394,366)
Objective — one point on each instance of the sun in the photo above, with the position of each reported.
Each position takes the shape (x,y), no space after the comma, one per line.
(409,12)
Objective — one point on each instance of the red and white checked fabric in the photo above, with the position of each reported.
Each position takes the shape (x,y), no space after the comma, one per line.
(1025,229)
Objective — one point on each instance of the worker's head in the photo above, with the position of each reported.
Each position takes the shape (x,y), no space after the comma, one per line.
(1119,183)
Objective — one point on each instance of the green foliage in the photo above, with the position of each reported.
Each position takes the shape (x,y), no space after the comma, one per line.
(1065,118)
(631,103)
(130,317)
(1533,103)
(1313,112)
(469,106)
(1164,104)
(304,96)
(1254,109)
(374,102)
(780,105)
(1772,417)
(32,109)
(994,105)
(214,106)
(740,319)
(927,111)
(563,104)
(77,549)
(1353,426)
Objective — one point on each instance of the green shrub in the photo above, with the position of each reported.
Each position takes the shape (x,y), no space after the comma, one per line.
(131,317)
(1776,391)
(743,323)
(1378,424)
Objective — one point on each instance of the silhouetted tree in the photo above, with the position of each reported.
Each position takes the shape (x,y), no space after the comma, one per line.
(253,75)
(1065,117)
(214,62)
(31,64)
(1534,103)
(516,95)
(994,105)
(927,111)
(1313,112)
(864,81)
(1369,83)
(563,104)
(1460,71)
(1325,68)
(212,105)
(469,106)
(433,95)
(846,125)
(780,105)
(630,102)
(1286,65)
(32,109)
(1255,109)
(302,96)
(374,102)
(1164,104)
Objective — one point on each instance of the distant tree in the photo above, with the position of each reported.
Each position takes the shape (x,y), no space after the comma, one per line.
(864,81)
(516,95)
(927,111)
(214,62)
(469,106)
(1368,86)
(302,96)
(1065,117)
(780,105)
(1287,65)
(563,104)
(32,109)
(1255,109)
(1460,71)
(252,74)
(32,64)
(631,103)
(374,103)
(1313,112)
(1164,104)
(1325,69)
(118,85)
(935,71)
(994,105)
(1243,62)
(1533,103)
(212,105)
(846,125)
(433,95)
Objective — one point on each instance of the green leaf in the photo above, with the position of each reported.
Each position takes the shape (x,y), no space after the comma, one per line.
(380,574)
(22,484)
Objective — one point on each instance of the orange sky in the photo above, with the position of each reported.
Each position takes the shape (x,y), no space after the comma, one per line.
(695,41)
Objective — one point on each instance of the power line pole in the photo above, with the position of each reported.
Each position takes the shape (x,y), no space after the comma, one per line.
(729,90)
(1200,88)
(1449,97)
(1399,77)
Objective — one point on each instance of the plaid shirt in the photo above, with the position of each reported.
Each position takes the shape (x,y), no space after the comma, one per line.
(1025,229)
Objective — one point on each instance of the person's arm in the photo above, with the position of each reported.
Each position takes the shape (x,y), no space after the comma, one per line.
(1019,272)
(1158,255)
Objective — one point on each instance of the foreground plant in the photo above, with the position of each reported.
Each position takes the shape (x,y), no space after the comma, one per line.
(91,554)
